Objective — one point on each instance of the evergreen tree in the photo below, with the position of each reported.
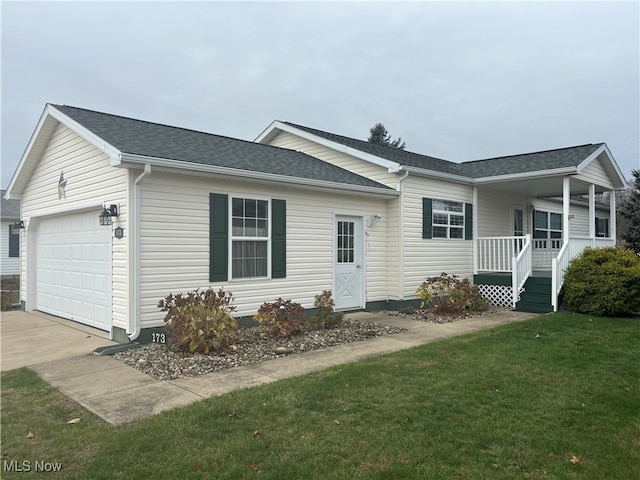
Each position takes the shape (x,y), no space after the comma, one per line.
(379,135)
(630,210)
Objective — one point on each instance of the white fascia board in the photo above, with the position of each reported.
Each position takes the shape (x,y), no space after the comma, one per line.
(436,174)
(50,112)
(10,194)
(612,163)
(88,135)
(392,167)
(255,176)
(526,175)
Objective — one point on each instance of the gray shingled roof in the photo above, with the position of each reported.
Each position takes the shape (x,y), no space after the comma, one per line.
(403,157)
(527,162)
(9,209)
(513,164)
(139,137)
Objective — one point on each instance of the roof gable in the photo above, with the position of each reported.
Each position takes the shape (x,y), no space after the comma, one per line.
(562,161)
(124,136)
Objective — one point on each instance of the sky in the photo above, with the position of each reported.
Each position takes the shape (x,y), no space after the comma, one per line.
(456,80)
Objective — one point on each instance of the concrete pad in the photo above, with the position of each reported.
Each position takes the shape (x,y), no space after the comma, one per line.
(29,339)
(289,366)
(76,366)
(221,382)
(100,383)
(139,402)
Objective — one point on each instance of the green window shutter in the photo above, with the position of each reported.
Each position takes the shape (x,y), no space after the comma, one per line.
(427,218)
(218,237)
(468,221)
(278,239)
(14,242)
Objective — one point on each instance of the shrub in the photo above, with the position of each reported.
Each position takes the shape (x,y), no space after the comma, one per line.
(200,321)
(603,281)
(447,294)
(325,316)
(283,318)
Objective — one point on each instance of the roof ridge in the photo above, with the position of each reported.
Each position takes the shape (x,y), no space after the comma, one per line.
(392,149)
(527,153)
(168,126)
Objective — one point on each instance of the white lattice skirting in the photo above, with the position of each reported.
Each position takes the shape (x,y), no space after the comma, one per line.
(498,295)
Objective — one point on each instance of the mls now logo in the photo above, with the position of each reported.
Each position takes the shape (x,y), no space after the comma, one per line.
(27,466)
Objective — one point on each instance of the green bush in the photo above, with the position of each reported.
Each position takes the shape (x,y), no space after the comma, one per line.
(603,281)
(200,321)
(283,318)
(448,295)
(325,317)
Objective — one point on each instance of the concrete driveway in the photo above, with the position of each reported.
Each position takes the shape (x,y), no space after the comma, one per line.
(32,338)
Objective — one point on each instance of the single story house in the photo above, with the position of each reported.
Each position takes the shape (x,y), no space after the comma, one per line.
(9,236)
(120,212)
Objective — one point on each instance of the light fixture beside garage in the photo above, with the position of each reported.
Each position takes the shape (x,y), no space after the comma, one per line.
(118,232)
(107,213)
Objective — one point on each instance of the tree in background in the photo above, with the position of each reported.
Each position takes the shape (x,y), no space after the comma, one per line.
(630,211)
(379,135)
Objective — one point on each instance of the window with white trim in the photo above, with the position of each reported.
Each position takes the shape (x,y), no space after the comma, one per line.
(448,219)
(249,237)
(547,229)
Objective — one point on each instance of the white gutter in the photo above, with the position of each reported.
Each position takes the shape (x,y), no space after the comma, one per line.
(258,176)
(136,251)
(400,291)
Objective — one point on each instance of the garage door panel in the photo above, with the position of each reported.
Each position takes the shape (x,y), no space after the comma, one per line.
(74,269)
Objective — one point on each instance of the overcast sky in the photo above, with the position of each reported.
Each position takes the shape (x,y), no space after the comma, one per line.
(459,81)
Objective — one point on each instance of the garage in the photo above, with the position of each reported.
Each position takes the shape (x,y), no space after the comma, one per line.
(73,269)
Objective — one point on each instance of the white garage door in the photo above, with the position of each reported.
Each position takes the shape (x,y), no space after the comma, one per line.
(73,278)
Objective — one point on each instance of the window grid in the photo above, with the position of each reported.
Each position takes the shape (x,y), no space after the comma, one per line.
(346,242)
(448,219)
(249,237)
(547,229)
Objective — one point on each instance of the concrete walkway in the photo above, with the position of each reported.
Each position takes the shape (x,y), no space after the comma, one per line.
(119,393)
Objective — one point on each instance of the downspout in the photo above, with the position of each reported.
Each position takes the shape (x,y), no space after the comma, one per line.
(401,238)
(136,250)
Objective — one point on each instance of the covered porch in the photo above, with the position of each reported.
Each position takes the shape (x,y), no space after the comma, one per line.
(552,218)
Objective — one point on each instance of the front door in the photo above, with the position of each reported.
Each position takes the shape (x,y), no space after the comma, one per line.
(348,291)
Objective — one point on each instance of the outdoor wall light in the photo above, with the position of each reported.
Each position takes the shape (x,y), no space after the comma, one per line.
(118,232)
(107,213)
(19,224)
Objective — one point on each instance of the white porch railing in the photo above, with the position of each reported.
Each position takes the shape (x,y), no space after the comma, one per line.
(568,252)
(496,254)
(522,268)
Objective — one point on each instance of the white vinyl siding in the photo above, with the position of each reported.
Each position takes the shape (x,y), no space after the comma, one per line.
(595,173)
(334,157)
(90,180)
(8,265)
(495,211)
(430,257)
(175,242)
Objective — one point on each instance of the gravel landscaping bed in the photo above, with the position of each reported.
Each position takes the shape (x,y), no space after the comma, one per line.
(251,346)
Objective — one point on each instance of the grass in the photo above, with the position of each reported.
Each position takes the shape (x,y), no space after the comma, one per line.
(519,401)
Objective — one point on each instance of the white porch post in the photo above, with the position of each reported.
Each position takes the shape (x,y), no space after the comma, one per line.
(566,203)
(612,215)
(474,225)
(592,211)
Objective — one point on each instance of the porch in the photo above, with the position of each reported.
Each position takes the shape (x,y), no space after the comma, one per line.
(524,273)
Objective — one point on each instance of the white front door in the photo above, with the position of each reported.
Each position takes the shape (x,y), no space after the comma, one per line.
(73,277)
(348,291)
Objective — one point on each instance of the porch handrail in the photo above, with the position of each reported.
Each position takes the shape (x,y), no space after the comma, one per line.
(522,268)
(495,254)
(568,252)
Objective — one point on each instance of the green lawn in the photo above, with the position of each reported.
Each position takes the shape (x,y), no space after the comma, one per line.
(520,401)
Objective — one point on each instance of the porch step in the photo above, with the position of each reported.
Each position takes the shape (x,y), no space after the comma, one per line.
(536,296)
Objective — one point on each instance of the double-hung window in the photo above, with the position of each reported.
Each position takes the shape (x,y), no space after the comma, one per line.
(602,227)
(547,227)
(249,237)
(448,219)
